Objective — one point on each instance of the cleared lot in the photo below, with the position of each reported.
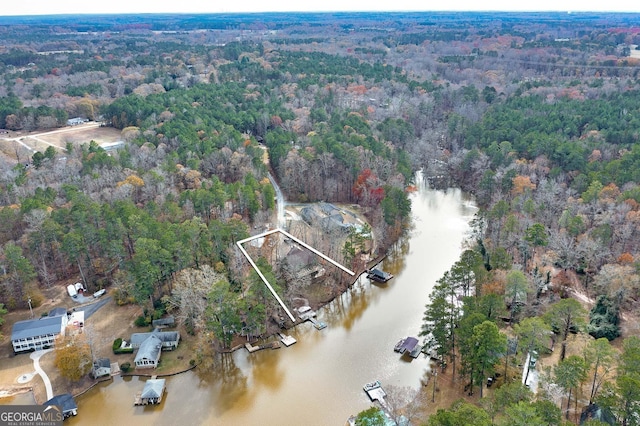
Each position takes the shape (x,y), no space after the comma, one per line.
(58,138)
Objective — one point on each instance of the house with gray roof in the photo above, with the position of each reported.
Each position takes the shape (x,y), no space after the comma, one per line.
(169,321)
(37,334)
(148,354)
(169,339)
(101,367)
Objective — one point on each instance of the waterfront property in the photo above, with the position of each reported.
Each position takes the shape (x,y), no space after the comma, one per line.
(151,393)
(169,339)
(150,345)
(148,354)
(38,334)
(66,402)
(101,367)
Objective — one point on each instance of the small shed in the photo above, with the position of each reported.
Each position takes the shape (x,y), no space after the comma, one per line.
(101,367)
(151,393)
(169,321)
(66,402)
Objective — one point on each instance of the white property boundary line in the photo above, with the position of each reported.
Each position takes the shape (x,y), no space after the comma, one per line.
(305,245)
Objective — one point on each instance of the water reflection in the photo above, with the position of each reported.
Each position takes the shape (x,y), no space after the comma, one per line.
(317,381)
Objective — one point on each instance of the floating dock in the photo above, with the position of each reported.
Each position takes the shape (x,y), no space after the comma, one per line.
(374,391)
(319,325)
(287,340)
(415,352)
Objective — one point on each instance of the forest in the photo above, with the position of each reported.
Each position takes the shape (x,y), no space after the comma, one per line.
(536,115)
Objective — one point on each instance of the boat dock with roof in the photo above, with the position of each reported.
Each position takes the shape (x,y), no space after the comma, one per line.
(374,391)
(378,275)
(408,345)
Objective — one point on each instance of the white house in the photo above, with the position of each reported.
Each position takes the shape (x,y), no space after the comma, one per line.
(33,335)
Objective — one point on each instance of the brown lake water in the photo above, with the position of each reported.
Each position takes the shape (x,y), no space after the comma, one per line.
(317,381)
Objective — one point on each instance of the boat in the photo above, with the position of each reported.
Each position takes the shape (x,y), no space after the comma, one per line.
(415,352)
(371,386)
(378,275)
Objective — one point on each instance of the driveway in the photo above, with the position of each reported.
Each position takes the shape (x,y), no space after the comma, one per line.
(91,305)
(532,378)
(90,309)
(35,356)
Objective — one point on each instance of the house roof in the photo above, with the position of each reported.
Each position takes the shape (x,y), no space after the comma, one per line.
(64,400)
(409,343)
(149,349)
(170,320)
(153,388)
(55,312)
(379,273)
(38,327)
(165,336)
(102,362)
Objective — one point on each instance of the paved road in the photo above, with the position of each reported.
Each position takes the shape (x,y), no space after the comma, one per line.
(35,356)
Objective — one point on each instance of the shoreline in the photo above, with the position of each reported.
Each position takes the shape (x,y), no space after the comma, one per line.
(182,370)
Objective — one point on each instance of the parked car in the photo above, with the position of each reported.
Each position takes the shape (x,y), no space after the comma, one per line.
(533,357)
(99,293)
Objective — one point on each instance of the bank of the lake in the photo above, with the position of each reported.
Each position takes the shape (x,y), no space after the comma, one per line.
(317,381)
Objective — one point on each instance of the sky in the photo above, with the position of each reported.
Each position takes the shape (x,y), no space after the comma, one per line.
(45,7)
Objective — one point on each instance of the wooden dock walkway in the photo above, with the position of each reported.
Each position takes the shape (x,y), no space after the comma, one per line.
(252,349)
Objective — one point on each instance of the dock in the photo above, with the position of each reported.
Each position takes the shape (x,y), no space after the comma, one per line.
(305,313)
(287,340)
(319,325)
(415,352)
(152,392)
(271,345)
(378,275)
(407,344)
(374,391)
